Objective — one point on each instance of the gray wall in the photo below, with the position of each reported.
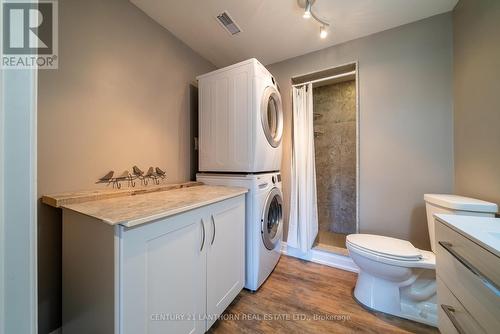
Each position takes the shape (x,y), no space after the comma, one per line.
(406,126)
(476,27)
(121,97)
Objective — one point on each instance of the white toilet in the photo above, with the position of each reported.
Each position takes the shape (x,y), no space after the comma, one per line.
(399,279)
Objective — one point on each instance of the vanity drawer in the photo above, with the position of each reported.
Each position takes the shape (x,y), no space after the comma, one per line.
(471,273)
(452,315)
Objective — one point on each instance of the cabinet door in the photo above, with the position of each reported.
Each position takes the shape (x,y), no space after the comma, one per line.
(225,255)
(163,276)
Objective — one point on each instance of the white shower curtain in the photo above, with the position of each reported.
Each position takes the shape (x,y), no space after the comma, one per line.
(303,222)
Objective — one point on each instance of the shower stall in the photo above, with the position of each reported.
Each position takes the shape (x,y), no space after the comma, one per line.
(335,123)
(334,110)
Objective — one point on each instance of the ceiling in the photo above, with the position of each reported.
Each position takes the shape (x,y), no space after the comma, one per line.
(274,30)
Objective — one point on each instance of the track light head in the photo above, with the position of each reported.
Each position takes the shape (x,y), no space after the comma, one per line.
(307,11)
(323,32)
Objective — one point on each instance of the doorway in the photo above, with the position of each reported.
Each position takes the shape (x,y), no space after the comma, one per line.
(336,150)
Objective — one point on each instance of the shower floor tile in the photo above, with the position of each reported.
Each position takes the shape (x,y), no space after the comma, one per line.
(331,242)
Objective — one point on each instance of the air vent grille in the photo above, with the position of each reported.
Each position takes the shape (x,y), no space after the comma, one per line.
(228,23)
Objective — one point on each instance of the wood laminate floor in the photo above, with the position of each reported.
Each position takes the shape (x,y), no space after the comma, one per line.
(304,297)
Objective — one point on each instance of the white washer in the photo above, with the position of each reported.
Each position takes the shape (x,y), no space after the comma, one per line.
(240,120)
(264,221)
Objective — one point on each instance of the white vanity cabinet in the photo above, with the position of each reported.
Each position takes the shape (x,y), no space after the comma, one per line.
(172,275)
(468,274)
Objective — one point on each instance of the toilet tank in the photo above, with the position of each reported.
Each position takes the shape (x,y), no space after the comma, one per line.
(454,205)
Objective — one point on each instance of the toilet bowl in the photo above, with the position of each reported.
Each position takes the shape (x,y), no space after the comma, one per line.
(399,279)
(394,277)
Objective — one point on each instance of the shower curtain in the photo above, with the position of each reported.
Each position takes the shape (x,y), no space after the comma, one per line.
(303,220)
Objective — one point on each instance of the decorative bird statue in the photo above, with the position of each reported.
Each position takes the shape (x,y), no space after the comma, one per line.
(150,172)
(160,173)
(106,178)
(137,171)
(152,175)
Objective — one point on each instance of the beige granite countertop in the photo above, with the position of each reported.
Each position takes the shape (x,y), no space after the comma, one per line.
(61,199)
(138,209)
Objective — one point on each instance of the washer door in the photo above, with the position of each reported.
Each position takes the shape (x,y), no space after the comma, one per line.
(272,219)
(271,116)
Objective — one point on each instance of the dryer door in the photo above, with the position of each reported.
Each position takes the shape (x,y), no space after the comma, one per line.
(272,219)
(271,116)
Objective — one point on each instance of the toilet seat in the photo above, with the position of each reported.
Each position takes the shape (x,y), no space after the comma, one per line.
(385,246)
(392,251)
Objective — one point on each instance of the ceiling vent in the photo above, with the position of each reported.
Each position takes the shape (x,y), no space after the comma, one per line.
(228,23)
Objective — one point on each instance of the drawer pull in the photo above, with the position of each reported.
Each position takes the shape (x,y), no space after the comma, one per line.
(450,313)
(486,282)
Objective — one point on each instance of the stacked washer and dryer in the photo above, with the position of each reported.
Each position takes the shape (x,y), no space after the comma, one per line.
(240,134)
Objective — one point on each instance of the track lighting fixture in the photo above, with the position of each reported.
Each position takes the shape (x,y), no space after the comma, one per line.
(308,13)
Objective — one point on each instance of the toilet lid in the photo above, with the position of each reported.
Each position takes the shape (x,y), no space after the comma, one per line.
(385,246)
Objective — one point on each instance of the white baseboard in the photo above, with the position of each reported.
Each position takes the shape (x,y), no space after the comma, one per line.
(57,331)
(321,257)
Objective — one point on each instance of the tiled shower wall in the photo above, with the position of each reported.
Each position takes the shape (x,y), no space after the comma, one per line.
(335,150)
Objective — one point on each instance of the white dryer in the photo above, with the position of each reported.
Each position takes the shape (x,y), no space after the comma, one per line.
(264,221)
(240,120)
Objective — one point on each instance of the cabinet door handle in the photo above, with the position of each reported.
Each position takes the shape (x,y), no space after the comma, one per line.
(213,237)
(486,282)
(203,235)
(450,313)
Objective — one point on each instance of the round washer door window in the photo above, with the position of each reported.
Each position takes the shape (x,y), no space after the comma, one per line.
(272,116)
(272,219)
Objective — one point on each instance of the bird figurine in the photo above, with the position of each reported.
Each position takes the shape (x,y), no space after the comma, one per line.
(106,178)
(160,173)
(137,171)
(150,172)
(152,175)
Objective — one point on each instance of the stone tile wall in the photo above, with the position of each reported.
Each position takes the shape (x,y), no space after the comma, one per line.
(335,149)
